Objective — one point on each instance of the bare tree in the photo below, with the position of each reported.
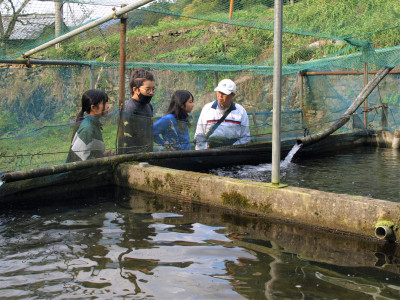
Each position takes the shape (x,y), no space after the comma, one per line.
(12,9)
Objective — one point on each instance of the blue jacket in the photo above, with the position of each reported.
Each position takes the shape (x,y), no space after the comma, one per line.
(173,131)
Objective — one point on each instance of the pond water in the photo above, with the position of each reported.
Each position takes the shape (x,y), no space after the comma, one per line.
(118,244)
(364,171)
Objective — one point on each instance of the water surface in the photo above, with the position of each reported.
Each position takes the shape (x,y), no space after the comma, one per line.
(116,244)
(364,171)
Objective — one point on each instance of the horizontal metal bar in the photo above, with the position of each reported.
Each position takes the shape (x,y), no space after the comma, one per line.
(341,73)
(41,62)
(115,15)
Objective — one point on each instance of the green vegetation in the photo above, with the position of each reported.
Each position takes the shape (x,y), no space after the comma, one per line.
(168,38)
(313,29)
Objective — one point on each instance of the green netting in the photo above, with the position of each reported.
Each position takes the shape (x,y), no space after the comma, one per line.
(191,44)
(201,32)
(39,105)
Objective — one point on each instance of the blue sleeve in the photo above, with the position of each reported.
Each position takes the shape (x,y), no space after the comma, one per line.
(160,127)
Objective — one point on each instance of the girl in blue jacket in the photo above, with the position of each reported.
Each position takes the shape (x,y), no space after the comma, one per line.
(171,131)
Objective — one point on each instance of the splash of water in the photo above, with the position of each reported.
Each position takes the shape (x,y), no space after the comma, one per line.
(1,181)
(290,155)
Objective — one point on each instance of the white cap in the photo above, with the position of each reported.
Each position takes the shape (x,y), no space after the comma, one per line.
(226,86)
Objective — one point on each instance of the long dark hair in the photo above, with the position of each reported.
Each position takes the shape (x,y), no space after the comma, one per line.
(89,98)
(138,77)
(179,98)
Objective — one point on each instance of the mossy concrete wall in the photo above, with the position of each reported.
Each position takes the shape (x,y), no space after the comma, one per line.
(337,212)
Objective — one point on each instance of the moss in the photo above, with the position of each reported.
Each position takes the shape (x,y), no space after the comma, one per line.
(386,222)
(147,179)
(235,199)
(266,208)
(196,196)
(169,178)
(156,183)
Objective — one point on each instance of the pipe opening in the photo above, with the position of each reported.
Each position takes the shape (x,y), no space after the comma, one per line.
(384,233)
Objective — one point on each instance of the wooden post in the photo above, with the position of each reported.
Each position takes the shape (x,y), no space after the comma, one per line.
(231,10)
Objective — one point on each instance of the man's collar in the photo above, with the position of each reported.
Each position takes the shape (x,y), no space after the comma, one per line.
(215,105)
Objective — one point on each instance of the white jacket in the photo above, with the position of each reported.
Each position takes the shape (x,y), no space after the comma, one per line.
(234,127)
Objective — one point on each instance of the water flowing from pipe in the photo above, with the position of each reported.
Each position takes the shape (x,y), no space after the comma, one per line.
(288,158)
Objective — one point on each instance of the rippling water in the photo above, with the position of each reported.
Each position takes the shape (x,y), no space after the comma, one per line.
(364,171)
(126,245)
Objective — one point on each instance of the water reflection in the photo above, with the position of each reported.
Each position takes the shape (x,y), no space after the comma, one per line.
(144,247)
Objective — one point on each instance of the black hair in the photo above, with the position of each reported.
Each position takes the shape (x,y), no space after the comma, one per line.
(89,98)
(138,77)
(179,98)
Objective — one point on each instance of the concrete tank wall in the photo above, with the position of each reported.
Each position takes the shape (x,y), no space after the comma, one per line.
(337,212)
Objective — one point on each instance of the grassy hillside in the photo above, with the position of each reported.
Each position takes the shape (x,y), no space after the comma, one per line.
(184,40)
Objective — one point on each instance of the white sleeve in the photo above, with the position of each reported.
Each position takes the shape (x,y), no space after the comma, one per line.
(244,130)
(200,135)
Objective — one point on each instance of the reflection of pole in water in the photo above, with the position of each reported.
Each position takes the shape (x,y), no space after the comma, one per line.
(269,290)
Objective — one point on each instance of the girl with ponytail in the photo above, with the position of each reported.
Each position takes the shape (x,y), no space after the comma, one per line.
(87,142)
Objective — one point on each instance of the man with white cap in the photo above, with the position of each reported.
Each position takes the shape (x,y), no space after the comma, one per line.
(222,122)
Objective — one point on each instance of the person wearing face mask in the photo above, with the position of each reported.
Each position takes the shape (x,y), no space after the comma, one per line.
(87,142)
(137,135)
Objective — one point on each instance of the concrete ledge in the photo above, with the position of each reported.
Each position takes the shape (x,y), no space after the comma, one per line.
(337,212)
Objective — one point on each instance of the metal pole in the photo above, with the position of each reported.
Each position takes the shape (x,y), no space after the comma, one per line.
(88,26)
(216,78)
(366,100)
(58,5)
(122,62)
(41,62)
(276,117)
(301,83)
(343,73)
(231,10)
(92,81)
(121,79)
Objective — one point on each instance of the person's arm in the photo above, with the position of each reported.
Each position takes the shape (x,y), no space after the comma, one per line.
(159,127)
(200,135)
(244,136)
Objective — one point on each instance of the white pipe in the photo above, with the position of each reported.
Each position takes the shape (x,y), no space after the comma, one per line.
(115,15)
(385,233)
(276,116)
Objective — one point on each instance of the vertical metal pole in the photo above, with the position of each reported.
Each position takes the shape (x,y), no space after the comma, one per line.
(384,121)
(216,78)
(276,116)
(231,10)
(58,9)
(366,100)
(92,81)
(301,83)
(122,62)
(121,79)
